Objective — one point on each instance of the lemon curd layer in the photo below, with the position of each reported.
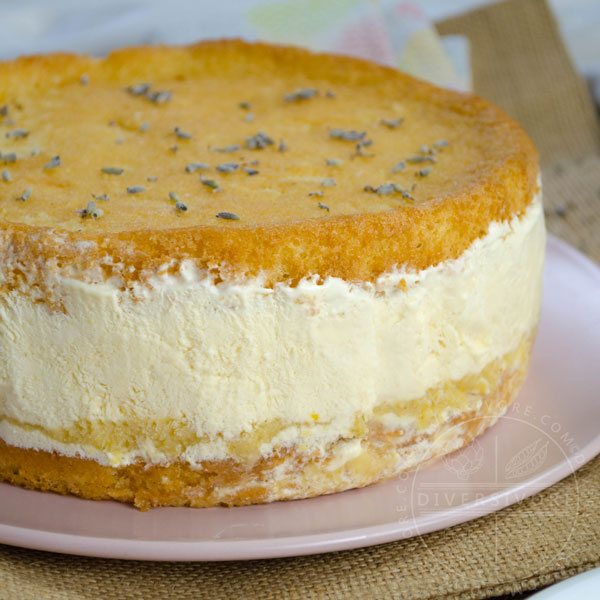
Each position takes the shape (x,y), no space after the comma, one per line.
(182,367)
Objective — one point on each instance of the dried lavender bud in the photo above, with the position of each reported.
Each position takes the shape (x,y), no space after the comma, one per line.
(388,188)
(179,205)
(53,163)
(413,160)
(25,195)
(301,94)
(360,148)
(112,170)
(90,211)
(392,123)
(103,197)
(385,188)
(139,89)
(211,183)
(159,97)
(228,215)
(231,148)
(227,167)
(17,133)
(259,141)
(348,136)
(182,135)
(196,166)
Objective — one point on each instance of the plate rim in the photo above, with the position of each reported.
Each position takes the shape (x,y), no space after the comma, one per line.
(313,543)
(287,546)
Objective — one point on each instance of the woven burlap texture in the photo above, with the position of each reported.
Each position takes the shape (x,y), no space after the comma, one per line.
(543,539)
(520,63)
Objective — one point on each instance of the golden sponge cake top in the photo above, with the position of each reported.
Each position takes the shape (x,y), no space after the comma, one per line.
(250,158)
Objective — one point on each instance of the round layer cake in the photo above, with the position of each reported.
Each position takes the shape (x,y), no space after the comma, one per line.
(237,273)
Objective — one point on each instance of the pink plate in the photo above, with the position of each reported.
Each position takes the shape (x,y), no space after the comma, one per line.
(550,431)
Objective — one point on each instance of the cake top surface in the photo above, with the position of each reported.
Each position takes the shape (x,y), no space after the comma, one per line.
(224,137)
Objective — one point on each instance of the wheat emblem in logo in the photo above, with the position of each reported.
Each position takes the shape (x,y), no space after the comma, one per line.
(527,461)
(467,461)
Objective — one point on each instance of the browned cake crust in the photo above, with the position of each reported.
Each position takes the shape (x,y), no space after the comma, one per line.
(488,174)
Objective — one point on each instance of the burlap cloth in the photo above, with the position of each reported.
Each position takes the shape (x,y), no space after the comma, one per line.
(520,63)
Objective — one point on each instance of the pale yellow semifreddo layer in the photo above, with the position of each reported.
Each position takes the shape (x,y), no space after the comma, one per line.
(118,378)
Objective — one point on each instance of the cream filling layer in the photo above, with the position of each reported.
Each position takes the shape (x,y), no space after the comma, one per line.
(225,359)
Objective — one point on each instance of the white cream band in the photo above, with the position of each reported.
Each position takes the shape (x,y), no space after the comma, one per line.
(225,358)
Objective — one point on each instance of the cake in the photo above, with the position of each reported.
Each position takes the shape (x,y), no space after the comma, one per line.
(237,273)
